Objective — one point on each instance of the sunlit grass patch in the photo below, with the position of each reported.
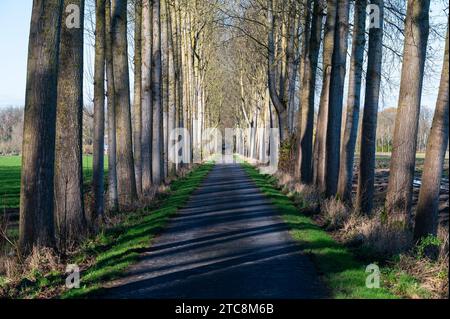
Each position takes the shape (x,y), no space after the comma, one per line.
(118,248)
(110,253)
(344,275)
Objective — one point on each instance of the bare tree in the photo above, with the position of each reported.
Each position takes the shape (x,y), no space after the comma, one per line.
(38,150)
(277,98)
(399,196)
(147,111)
(137,141)
(99,111)
(353,102)
(322,118)
(69,208)
(336,97)
(312,38)
(428,206)
(127,192)
(366,181)
(158,133)
(113,197)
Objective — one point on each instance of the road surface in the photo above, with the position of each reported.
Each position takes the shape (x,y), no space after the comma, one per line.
(228,242)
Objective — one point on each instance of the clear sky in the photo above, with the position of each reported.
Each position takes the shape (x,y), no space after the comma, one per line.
(14,30)
(15,18)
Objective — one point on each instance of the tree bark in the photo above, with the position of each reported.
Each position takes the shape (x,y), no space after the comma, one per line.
(277,99)
(333,135)
(321,131)
(172,74)
(158,129)
(305,125)
(147,112)
(38,149)
(399,195)
(113,198)
(125,164)
(427,212)
(366,179)
(70,219)
(99,112)
(137,141)
(353,103)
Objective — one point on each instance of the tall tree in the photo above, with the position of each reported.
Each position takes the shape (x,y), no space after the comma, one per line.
(276,97)
(307,94)
(69,205)
(38,149)
(366,178)
(113,197)
(158,129)
(353,102)
(427,212)
(336,97)
(399,195)
(137,143)
(99,110)
(322,119)
(147,112)
(127,192)
(172,74)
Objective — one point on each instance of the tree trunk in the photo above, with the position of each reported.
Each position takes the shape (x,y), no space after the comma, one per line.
(172,74)
(99,112)
(70,220)
(321,131)
(353,103)
(427,213)
(305,127)
(113,198)
(277,99)
(137,143)
(147,113)
(366,178)
(399,195)
(125,164)
(333,139)
(38,149)
(158,129)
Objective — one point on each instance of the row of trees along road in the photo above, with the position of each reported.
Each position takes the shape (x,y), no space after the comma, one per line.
(250,65)
(170,44)
(308,40)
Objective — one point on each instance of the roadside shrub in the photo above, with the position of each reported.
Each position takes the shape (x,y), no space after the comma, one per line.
(384,237)
(308,198)
(334,213)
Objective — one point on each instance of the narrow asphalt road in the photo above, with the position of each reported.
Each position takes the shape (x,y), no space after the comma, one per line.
(228,242)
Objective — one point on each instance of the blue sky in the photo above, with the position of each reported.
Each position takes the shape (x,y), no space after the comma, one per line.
(14,30)
(15,18)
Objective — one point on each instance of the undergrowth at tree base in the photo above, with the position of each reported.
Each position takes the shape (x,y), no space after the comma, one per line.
(104,257)
(341,262)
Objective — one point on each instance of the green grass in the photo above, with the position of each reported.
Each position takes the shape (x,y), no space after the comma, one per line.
(10,167)
(342,272)
(115,249)
(118,248)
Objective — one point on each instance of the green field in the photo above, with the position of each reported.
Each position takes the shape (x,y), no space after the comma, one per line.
(10,179)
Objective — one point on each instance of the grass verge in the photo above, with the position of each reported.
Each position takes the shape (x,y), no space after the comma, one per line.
(342,272)
(110,253)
